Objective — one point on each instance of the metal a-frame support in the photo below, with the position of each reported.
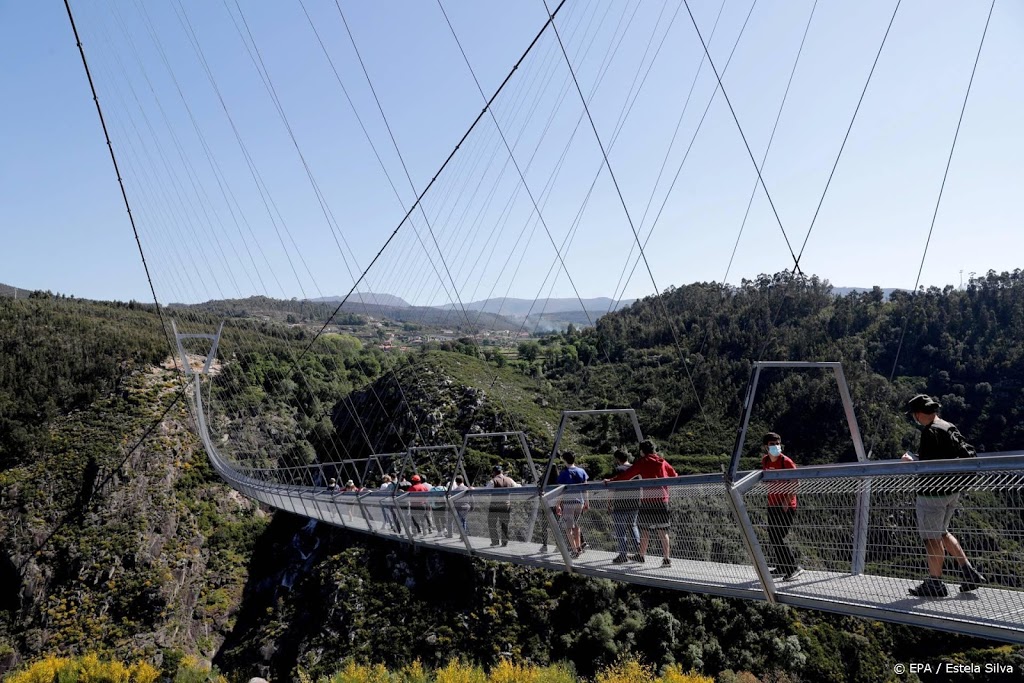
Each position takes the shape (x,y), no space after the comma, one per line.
(544,500)
(860,523)
(460,464)
(211,354)
(460,468)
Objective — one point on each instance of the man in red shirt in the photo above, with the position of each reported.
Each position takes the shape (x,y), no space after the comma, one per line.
(781,508)
(654,511)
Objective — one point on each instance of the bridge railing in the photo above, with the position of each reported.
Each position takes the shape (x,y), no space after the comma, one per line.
(719,534)
(988,523)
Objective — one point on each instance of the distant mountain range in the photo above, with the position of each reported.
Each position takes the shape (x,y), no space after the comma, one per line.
(506,307)
(522,307)
(368,299)
(542,314)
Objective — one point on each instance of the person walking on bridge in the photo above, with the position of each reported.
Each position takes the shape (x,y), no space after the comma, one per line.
(624,506)
(781,508)
(500,511)
(654,511)
(573,503)
(936,500)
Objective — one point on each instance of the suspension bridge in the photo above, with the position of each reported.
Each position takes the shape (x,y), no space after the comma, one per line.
(855,529)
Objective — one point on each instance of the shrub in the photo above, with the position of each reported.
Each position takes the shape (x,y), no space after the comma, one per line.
(86,669)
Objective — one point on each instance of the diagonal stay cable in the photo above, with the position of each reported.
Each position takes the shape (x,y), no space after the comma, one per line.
(619,295)
(120,181)
(629,218)
(519,170)
(405,168)
(735,118)
(768,148)
(261,67)
(426,189)
(938,203)
(774,318)
(796,265)
(753,190)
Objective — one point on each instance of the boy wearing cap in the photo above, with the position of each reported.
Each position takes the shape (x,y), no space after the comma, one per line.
(936,502)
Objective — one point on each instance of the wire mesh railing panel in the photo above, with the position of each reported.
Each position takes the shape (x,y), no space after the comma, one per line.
(679,531)
(905,517)
(501,522)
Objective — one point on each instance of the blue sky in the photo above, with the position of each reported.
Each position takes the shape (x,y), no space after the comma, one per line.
(214,226)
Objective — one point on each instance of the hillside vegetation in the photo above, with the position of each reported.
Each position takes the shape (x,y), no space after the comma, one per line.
(116,538)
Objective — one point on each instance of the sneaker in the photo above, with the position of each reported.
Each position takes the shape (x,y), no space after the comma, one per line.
(793,573)
(931,588)
(972,578)
(638,558)
(504,543)
(777,571)
(666,562)
(543,548)
(494,543)
(620,559)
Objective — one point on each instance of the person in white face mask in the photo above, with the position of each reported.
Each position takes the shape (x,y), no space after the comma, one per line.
(781,508)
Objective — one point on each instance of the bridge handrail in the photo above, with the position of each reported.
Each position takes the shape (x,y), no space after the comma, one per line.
(899,467)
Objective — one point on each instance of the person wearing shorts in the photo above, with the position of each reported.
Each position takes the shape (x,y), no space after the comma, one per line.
(654,515)
(573,503)
(936,502)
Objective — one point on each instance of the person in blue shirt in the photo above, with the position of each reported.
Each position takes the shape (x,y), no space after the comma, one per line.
(573,502)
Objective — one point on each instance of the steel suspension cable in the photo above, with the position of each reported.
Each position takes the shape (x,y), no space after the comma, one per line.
(401,159)
(764,157)
(174,137)
(117,171)
(617,296)
(515,163)
(735,118)
(325,208)
(426,189)
(549,185)
(817,210)
(629,218)
(938,203)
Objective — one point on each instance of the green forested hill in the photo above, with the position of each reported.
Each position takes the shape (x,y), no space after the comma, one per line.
(962,346)
(143,553)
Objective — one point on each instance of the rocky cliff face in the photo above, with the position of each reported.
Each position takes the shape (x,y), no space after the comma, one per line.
(439,396)
(130,551)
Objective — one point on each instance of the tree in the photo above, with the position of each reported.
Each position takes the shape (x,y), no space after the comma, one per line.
(529,350)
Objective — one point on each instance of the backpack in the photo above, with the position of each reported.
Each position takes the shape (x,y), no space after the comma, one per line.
(503,505)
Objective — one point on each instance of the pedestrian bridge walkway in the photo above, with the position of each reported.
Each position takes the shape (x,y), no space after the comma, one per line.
(859,559)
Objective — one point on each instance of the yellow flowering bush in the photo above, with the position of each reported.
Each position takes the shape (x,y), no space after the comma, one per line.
(86,669)
(360,673)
